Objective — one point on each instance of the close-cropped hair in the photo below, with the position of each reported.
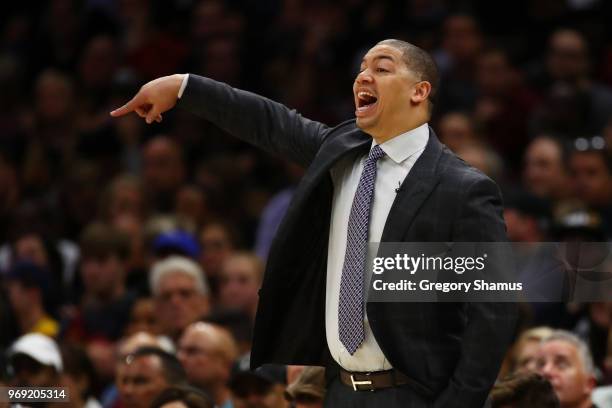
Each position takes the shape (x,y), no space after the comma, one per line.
(172,369)
(419,62)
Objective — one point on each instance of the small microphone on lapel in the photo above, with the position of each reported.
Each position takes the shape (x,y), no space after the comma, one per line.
(399,187)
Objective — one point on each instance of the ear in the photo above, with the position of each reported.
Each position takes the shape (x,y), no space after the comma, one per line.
(421,92)
(590,385)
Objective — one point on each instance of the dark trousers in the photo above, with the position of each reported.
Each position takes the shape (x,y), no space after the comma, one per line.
(339,395)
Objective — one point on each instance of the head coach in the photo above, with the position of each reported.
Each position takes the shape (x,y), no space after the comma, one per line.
(310,308)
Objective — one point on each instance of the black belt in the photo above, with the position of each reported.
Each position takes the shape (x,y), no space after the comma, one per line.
(378,380)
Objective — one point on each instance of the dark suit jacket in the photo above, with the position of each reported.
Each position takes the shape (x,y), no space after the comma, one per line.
(454,350)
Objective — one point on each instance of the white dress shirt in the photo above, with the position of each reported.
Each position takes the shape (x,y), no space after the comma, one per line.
(183,85)
(401,153)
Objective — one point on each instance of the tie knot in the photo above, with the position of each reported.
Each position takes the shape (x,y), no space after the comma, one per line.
(376,153)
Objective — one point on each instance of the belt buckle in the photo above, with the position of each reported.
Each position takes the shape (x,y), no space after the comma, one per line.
(366,382)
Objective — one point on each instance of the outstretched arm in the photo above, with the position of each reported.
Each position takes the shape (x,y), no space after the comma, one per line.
(250,117)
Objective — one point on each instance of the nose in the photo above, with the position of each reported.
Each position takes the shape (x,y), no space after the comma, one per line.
(547,371)
(127,389)
(364,77)
(176,299)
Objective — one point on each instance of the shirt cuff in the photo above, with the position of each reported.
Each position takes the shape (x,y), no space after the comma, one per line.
(183,85)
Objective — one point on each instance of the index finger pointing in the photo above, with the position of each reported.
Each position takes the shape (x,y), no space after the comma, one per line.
(127,108)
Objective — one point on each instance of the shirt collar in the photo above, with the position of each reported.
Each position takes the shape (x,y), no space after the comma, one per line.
(405,145)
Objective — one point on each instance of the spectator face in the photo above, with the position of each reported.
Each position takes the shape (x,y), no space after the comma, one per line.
(210,18)
(494,74)
(526,357)
(30,373)
(239,284)
(201,355)
(178,303)
(191,204)
(559,362)
(98,62)
(462,39)
(103,356)
(126,198)
(216,248)
(132,227)
(53,97)
(77,375)
(592,178)
(222,60)
(522,227)
(140,380)
(163,165)
(102,275)
(478,157)
(544,174)
(384,74)
(456,131)
(567,56)
(20,297)
(271,396)
(31,248)
(143,318)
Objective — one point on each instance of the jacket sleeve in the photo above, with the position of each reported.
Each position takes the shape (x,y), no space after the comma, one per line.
(254,119)
(490,325)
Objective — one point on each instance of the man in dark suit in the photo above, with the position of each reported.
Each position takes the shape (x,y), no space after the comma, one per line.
(382,177)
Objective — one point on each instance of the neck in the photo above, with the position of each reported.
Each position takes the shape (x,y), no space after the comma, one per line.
(385,135)
(587,403)
(220,394)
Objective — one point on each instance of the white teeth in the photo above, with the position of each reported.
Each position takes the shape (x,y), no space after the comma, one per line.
(364,93)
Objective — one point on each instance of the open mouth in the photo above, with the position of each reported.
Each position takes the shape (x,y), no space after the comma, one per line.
(365,102)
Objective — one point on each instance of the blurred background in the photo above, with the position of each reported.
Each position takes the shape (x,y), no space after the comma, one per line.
(115,235)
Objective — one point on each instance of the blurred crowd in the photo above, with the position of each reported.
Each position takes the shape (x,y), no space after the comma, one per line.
(131,255)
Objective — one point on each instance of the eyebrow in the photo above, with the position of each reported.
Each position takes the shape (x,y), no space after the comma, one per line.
(379,57)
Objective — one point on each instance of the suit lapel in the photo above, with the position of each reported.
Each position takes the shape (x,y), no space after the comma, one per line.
(416,187)
(317,176)
(330,153)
